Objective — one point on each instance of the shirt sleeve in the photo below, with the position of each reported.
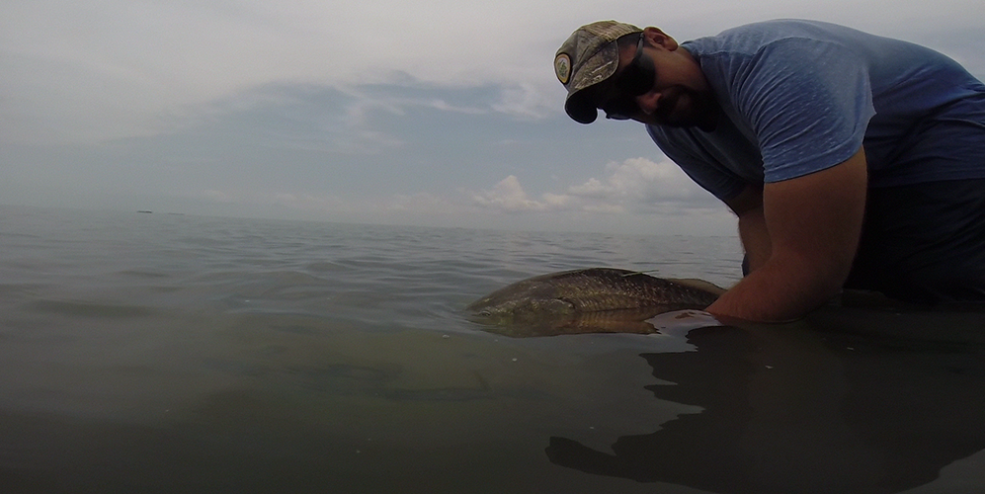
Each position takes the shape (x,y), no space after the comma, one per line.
(807,101)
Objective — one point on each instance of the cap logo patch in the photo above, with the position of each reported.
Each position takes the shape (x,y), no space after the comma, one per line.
(562,67)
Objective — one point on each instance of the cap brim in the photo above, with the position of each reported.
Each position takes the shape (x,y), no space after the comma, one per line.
(581,108)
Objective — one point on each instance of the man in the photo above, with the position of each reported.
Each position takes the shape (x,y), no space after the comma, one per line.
(851,160)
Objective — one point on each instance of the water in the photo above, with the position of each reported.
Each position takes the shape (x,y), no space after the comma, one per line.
(167,353)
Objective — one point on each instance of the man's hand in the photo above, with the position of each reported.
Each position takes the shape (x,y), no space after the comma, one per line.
(682,321)
(801,243)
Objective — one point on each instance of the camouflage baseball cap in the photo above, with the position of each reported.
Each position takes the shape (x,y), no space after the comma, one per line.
(588,57)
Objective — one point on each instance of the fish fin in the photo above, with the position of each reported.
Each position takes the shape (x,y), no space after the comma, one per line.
(699,284)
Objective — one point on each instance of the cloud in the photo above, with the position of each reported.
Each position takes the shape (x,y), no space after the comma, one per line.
(527,100)
(636,185)
(82,73)
(635,195)
(508,195)
(76,72)
(352,111)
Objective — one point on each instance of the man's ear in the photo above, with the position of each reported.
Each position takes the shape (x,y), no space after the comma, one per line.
(657,37)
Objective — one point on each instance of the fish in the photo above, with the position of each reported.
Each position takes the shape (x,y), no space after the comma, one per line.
(588,300)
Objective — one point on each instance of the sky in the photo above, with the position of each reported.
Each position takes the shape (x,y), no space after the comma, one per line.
(432,113)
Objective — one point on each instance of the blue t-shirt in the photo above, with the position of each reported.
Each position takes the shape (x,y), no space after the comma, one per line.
(802,96)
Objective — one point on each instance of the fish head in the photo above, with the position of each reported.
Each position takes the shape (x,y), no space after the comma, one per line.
(519,302)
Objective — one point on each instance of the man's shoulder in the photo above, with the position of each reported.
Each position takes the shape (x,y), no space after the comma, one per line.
(748,58)
(782,27)
(750,39)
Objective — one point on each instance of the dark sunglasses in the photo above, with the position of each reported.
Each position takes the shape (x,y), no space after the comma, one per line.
(636,79)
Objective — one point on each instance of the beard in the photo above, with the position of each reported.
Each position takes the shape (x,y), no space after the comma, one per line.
(684,107)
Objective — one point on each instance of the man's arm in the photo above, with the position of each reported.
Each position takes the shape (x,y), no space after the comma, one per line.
(748,206)
(801,239)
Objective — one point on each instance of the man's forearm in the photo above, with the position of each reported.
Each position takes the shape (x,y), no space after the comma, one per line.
(770,292)
(779,290)
(800,242)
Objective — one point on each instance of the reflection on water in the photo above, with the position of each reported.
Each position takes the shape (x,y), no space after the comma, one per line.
(874,403)
(279,403)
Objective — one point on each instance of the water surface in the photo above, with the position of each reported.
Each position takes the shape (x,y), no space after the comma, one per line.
(168,353)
